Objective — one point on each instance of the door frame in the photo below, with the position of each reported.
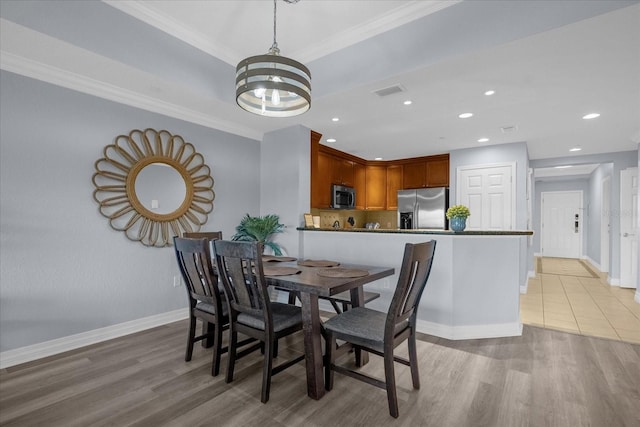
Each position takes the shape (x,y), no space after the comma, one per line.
(582,221)
(623,283)
(512,185)
(605,225)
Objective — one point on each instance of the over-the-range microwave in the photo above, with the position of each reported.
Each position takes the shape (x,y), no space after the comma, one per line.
(343,197)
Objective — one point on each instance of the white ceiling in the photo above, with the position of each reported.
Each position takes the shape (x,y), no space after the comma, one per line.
(549,63)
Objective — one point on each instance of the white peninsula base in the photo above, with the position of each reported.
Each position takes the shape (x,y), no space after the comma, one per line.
(474,287)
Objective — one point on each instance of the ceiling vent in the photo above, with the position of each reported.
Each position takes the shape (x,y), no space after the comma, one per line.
(389,90)
(509,129)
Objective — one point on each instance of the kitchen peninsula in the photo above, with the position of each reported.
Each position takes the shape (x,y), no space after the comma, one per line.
(475,282)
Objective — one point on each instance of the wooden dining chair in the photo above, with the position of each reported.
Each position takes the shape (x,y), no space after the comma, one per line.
(205,300)
(251,311)
(380,333)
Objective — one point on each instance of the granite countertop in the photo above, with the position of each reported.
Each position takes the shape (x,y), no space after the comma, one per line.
(425,231)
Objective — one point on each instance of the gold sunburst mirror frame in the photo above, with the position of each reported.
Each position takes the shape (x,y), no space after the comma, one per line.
(115,186)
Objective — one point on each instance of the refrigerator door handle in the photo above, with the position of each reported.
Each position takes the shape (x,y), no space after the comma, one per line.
(416,216)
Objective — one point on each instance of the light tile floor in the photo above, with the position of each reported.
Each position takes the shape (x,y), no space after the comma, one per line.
(580,304)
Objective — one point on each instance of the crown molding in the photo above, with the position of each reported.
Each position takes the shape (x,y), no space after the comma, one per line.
(397,17)
(50,74)
(166,23)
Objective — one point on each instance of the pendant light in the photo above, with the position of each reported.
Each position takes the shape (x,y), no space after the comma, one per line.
(272,85)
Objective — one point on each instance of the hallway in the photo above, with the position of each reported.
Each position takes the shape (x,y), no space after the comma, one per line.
(570,295)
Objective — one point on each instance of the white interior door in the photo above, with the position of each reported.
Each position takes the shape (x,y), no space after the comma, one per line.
(605,225)
(561,224)
(489,192)
(629,228)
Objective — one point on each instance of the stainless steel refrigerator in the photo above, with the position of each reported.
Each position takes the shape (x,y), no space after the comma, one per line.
(423,208)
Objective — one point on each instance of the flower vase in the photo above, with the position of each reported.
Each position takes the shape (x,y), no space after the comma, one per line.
(458,223)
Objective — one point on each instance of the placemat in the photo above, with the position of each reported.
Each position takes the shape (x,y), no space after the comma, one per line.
(342,272)
(318,263)
(273,258)
(279,271)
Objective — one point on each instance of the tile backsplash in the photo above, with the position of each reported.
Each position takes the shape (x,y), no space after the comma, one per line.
(386,219)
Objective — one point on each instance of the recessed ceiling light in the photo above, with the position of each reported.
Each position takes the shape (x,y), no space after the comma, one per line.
(483,140)
(408,102)
(490,92)
(563,167)
(335,119)
(378,158)
(331,140)
(576,149)
(591,116)
(465,115)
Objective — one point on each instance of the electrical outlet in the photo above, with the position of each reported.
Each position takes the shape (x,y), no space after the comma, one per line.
(176,281)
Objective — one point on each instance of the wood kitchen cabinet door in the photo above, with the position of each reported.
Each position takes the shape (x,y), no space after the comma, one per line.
(342,172)
(438,173)
(394,183)
(376,193)
(414,174)
(322,188)
(360,184)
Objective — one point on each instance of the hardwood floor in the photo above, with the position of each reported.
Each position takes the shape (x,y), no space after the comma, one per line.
(543,378)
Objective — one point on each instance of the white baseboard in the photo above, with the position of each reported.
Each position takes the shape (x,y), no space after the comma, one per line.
(469,332)
(593,263)
(637,297)
(71,342)
(531,274)
(524,288)
(613,281)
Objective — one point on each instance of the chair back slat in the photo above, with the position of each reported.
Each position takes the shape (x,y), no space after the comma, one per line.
(414,273)
(194,261)
(240,267)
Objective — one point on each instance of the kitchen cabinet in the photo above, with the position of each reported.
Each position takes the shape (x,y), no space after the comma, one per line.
(342,171)
(394,183)
(426,172)
(376,191)
(438,172)
(360,184)
(376,182)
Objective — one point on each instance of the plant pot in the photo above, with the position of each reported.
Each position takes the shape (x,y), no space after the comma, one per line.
(458,223)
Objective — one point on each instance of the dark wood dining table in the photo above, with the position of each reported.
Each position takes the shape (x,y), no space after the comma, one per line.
(310,286)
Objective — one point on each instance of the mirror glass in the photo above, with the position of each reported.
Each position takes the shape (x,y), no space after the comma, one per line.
(160,188)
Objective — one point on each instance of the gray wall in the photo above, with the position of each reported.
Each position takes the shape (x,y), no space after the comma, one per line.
(595,211)
(64,270)
(285,177)
(503,153)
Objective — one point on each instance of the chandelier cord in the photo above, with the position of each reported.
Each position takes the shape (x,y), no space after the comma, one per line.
(275,43)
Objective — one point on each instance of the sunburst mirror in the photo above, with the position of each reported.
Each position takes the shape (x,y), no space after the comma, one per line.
(153,185)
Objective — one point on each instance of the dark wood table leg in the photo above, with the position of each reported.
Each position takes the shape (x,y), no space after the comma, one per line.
(357,300)
(312,345)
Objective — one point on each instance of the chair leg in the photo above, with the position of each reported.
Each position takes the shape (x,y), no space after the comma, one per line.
(330,356)
(390,379)
(275,348)
(207,327)
(217,344)
(231,360)
(192,334)
(413,361)
(266,370)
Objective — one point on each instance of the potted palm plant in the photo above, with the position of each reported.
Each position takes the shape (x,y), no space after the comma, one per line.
(457,216)
(260,229)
